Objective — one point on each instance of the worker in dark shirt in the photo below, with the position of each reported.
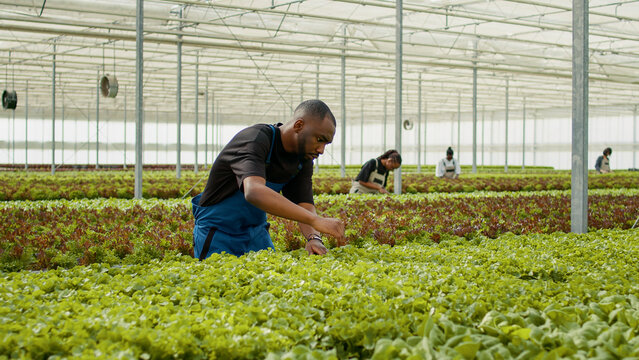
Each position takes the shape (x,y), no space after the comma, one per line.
(246,180)
(602,165)
(373,176)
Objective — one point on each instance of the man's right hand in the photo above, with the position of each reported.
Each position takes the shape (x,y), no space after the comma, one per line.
(331,226)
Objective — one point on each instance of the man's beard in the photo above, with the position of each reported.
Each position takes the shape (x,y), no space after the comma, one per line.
(301,148)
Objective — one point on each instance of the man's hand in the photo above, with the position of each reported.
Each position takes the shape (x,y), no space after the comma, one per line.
(315,247)
(382,190)
(331,226)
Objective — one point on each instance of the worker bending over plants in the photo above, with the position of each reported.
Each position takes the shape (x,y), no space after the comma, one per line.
(265,169)
(373,176)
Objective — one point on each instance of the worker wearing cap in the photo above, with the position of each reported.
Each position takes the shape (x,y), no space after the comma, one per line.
(265,169)
(373,176)
(448,167)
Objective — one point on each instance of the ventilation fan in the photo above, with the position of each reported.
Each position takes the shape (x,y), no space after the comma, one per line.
(9,99)
(109,86)
(408,125)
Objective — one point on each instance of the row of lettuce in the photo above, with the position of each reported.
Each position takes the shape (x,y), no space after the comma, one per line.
(165,185)
(61,233)
(537,296)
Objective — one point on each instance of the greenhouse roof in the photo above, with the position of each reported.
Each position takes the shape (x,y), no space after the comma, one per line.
(259,58)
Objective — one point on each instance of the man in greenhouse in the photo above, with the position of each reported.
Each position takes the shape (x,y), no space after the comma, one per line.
(448,167)
(246,180)
(602,165)
(374,174)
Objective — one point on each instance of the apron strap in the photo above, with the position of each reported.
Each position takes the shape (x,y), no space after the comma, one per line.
(270,150)
(207,244)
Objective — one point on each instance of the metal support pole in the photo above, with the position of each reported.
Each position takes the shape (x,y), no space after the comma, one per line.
(157,135)
(206,123)
(483,131)
(10,124)
(197,110)
(317,70)
(506,141)
(579,181)
(343,88)
(634,138)
(61,123)
(105,133)
(317,73)
(425,132)
(492,137)
(535,138)
(398,91)
(523,139)
(178,165)
(26,126)
(385,119)
(139,109)
(419,124)
(124,163)
(459,127)
(361,133)
(42,138)
(213,108)
(97,123)
(53,112)
(88,133)
(13,137)
(8,130)
(475,111)
(75,141)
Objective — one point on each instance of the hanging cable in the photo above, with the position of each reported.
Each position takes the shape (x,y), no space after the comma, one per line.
(114,58)
(252,59)
(193,187)
(6,71)
(13,76)
(102,59)
(42,9)
(261,72)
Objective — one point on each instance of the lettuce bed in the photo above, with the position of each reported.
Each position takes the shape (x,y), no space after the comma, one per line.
(164,185)
(540,295)
(51,234)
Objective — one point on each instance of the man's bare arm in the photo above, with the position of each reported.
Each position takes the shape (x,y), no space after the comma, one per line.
(261,196)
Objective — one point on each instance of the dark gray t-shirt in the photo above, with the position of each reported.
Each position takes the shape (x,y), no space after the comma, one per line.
(245,155)
(368,168)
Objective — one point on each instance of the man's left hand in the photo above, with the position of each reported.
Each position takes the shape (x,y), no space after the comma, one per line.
(315,247)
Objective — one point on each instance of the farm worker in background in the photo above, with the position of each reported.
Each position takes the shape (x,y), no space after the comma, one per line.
(372,178)
(246,179)
(448,167)
(603,162)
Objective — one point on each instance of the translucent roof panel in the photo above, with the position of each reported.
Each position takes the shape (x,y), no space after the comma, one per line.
(259,58)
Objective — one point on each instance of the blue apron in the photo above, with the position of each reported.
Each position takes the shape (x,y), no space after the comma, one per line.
(233,225)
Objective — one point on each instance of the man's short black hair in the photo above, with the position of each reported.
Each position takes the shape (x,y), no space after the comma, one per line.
(315,108)
(607,151)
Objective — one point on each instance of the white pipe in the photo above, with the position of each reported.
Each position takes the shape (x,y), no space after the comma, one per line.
(116,8)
